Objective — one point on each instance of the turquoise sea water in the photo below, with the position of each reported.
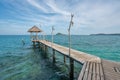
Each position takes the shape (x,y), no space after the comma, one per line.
(23,62)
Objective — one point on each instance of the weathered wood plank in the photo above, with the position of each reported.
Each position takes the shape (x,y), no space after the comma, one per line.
(82,71)
(86,71)
(94,71)
(90,72)
(98,71)
(116,69)
(101,72)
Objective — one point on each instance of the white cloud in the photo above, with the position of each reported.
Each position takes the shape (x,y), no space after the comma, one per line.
(55,8)
(35,4)
(89,15)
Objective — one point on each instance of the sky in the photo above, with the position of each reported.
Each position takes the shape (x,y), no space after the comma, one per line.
(90,16)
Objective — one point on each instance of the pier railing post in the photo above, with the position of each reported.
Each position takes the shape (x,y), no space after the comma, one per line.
(54,56)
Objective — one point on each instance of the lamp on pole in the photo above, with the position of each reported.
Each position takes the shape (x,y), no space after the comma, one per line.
(40,34)
(71,72)
(52,33)
(52,45)
(71,24)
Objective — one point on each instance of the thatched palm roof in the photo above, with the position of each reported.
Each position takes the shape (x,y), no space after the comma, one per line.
(34,29)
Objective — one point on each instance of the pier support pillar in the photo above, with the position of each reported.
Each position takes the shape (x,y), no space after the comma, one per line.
(45,50)
(34,45)
(64,59)
(40,46)
(54,56)
(71,73)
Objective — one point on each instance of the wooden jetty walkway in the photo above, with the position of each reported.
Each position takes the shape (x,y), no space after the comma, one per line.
(94,68)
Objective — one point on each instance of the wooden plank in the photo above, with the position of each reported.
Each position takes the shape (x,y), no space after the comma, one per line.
(98,71)
(90,72)
(82,71)
(94,72)
(86,71)
(116,69)
(101,72)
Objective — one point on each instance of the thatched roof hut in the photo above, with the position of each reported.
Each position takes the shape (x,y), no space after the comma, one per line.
(34,29)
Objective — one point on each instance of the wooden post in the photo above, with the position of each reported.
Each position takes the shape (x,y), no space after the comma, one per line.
(31,36)
(64,59)
(54,56)
(40,46)
(36,36)
(34,44)
(71,73)
(45,48)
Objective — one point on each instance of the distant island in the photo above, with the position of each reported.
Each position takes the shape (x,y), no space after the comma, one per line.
(60,34)
(116,34)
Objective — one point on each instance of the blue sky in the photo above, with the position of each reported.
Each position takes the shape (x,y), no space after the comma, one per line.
(90,16)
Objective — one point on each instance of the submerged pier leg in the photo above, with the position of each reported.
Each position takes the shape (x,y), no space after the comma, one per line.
(54,56)
(34,44)
(40,46)
(71,73)
(64,59)
(46,50)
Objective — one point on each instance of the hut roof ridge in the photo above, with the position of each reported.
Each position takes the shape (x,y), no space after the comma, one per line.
(34,29)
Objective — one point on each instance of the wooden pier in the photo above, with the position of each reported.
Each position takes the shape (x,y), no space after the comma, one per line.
(94,68)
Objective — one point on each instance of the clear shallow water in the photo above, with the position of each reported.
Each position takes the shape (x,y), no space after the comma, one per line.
(18,62)
(106,47)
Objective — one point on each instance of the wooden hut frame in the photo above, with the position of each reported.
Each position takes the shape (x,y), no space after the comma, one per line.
(33,30)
